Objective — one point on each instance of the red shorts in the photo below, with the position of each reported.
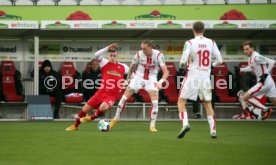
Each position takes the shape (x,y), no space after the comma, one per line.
(100,97)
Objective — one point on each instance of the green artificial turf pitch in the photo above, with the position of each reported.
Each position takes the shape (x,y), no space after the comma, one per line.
(130,143)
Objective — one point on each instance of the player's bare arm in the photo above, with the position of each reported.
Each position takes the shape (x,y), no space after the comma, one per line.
(165,75)
(131,70)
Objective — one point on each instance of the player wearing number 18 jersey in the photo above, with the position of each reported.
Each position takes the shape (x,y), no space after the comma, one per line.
(197,55)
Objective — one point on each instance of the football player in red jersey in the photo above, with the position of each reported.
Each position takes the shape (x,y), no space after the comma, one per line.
(112,82)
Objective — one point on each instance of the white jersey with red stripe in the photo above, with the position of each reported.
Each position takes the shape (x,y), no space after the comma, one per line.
(147,67)
(258,64)
(197,54)
(261,65)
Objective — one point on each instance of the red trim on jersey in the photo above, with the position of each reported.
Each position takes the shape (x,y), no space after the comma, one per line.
(188,63)
(183,83)
(146,70)
(190,42)
(136,68)
(262,67)
(257,90)
(138,54)
(254,104)
(158,56)
(255,58)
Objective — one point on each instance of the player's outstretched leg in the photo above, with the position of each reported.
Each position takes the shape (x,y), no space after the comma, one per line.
(120,108)
(75,126)
(97,114)
(81,114)
(153,115)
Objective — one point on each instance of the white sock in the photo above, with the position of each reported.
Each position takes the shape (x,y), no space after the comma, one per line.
(183,116)
(257,104)
(257,112)
(212,123)
(120,107)
(153,113)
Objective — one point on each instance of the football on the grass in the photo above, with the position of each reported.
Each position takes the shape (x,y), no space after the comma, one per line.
(103,125)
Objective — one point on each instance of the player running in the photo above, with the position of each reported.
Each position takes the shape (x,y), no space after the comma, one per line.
(144,66)
(197,54)
(112,73)
(261,66)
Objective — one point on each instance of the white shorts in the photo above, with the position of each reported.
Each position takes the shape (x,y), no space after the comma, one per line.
(268,88)
(137,83)
(192,88)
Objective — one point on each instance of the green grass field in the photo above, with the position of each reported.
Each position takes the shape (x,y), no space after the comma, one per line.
(130,143)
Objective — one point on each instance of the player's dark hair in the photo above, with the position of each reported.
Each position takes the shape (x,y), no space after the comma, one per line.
(198,27)
(149,43)
(250,43)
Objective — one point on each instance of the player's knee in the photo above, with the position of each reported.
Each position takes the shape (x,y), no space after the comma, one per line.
(129,92)
(181,102)
(104,107)
(246,97)
(86,108)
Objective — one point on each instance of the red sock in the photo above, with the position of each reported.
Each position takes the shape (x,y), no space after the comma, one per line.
(97,114)
(80,114)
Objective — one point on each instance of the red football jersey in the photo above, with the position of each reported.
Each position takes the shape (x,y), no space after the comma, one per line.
(112,76)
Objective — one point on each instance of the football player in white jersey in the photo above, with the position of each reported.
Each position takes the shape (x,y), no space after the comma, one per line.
(197,54)
(144,68)
(261,66)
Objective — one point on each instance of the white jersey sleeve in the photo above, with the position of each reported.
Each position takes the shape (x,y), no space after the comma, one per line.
(98,55)
(186,53)
(263,60)
(216,54)
(126,68)
(135,59)
(161,59)
(246,69)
